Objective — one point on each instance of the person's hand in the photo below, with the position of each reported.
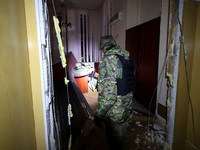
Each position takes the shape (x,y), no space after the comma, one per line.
(98,122)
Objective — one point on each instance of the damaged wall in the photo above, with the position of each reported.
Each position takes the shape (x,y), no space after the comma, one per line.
(183,132)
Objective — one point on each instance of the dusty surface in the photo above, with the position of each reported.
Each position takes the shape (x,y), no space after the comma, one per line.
(93,138)
(139,136)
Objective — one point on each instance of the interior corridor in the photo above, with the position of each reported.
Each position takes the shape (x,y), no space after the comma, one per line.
(140,137)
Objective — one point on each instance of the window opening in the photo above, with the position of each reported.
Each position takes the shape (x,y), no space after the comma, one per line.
(84,38)
(81,22)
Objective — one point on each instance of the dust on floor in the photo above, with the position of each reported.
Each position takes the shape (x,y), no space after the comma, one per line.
(140,137)
(141,134)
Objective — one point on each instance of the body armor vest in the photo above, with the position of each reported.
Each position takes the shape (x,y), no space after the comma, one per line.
(127,83)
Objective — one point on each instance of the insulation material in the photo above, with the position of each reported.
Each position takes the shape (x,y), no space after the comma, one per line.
(66,81)
(51,126)
(170,78)
(61,48)
(70,115)
(63,60)
(70,142)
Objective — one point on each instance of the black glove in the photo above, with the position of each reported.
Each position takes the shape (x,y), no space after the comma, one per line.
(98,121)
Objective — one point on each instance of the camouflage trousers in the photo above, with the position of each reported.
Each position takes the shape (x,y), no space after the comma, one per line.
(117,135)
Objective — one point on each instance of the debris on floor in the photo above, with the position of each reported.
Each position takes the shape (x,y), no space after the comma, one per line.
(142,135)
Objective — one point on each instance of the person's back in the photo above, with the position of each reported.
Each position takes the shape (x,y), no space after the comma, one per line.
(114,109)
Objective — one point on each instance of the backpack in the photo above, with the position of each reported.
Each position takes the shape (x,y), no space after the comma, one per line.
(127,83)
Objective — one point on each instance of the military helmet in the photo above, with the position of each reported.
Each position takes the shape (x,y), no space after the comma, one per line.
(107,40)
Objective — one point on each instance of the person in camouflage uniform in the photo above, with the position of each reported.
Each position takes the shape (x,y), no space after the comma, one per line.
(115,110)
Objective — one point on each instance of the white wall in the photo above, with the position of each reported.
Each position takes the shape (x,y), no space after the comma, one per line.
(162,82)
(119,28)
(140,11)
(135,12)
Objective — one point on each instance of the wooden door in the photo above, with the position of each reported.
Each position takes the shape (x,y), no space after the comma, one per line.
(142,42)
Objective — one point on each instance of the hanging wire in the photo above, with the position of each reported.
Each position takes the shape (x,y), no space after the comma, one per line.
(51,82)
(54,9)
(159,80)
(161,75)
(149,113)
(187,78)
(69,109)
(188,88)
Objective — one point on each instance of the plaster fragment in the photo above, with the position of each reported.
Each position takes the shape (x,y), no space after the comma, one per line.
(137,141)
(170,78)
(138,122)
(169,104)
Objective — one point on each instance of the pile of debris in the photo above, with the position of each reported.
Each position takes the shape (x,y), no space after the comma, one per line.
(145,134)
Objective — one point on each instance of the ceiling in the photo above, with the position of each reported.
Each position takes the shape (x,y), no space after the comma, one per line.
(90,4)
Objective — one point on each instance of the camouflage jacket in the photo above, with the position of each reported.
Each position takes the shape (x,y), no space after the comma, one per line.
(112,107)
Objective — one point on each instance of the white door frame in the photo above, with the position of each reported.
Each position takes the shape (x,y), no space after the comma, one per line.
(44,47)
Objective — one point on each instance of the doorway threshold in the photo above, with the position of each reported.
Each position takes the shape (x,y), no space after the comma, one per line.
(140,108)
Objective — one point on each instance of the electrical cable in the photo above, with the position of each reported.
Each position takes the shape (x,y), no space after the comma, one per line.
(69,105)
(187,78)
(159,80)
(161,75)
(188,88)
(54,9)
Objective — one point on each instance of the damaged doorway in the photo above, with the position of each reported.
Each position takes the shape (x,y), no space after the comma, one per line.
(62,114)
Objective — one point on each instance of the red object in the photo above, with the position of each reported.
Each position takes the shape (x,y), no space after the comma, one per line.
(82,83)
